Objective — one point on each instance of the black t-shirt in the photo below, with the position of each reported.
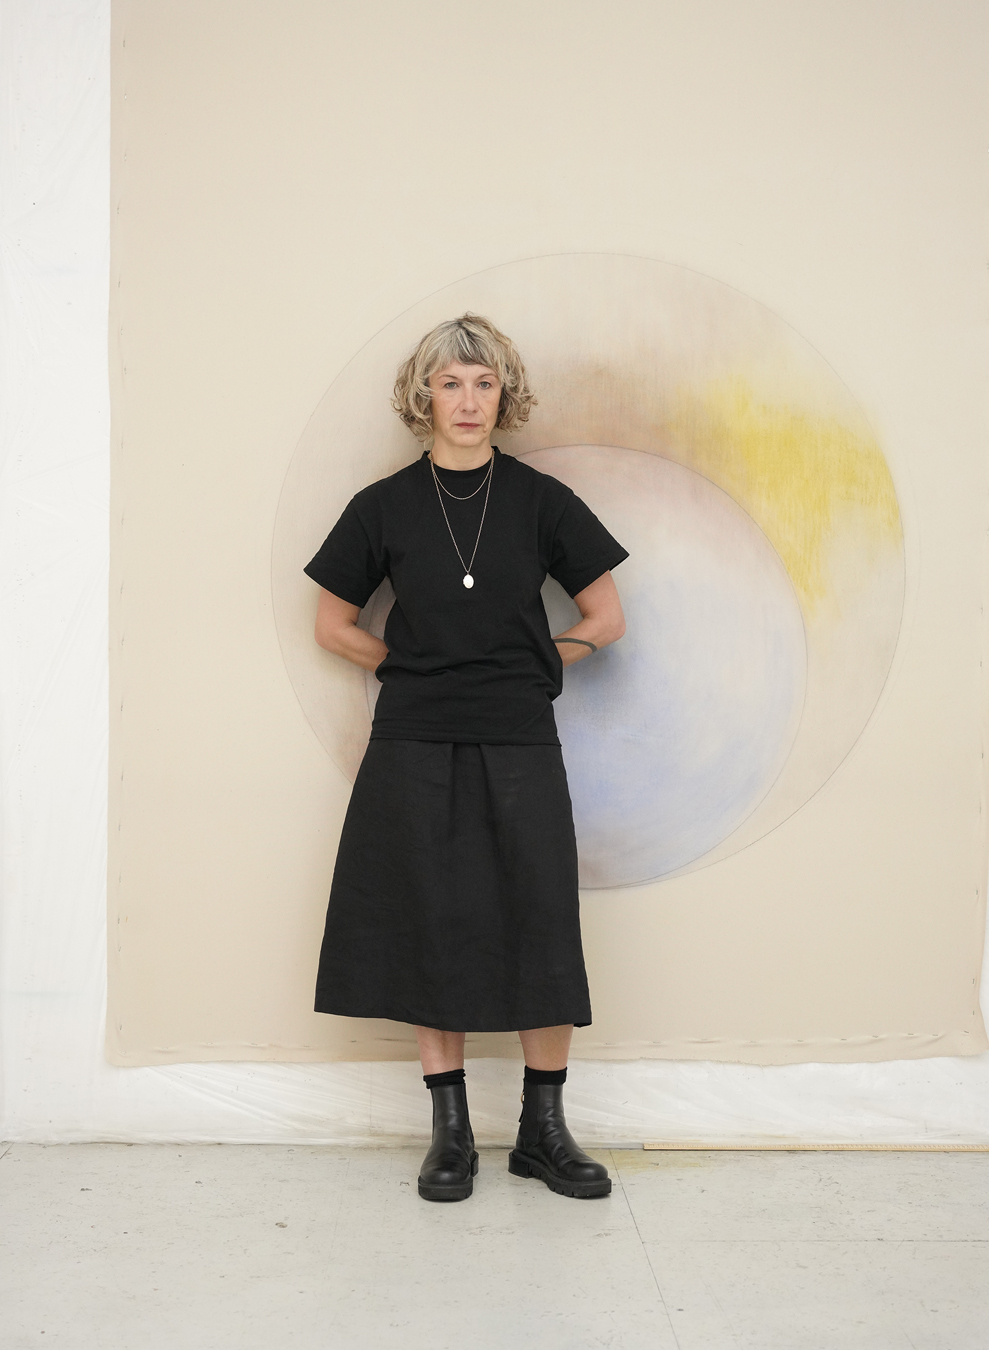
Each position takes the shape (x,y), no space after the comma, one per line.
(463,664)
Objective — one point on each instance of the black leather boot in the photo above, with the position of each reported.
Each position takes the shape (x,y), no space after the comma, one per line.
(449,1168)
(546,1149)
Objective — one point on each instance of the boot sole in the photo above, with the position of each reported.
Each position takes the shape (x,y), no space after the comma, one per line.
(461,1191)
(521,1166)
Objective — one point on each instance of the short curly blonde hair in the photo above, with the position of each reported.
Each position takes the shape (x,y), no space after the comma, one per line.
(474,341)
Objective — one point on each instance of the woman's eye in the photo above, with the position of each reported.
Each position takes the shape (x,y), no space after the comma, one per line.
(485,384)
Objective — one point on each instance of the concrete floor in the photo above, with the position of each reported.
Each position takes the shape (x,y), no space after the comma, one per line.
(200,1247)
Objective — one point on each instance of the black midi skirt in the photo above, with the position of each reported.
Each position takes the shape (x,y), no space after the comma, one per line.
(454,898)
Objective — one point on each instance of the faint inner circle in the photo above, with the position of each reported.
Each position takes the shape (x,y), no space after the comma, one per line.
(673,735)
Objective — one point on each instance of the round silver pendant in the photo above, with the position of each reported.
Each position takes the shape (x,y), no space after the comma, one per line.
(468,581)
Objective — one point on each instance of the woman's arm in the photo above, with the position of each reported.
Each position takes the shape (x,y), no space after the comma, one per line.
(337,631)
(602,620)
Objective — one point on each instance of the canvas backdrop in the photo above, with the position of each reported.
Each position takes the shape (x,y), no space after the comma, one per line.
(295,187)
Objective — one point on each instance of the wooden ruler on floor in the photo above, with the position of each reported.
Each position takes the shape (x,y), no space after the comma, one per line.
(699,1147)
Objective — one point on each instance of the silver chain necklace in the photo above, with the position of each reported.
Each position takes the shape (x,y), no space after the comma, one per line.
(470,494)
(468,579)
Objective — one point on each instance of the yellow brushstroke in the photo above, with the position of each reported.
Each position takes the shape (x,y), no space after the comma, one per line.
(797,474)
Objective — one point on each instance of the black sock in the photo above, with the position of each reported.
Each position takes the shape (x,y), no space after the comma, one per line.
(551,1077)
(444,1079)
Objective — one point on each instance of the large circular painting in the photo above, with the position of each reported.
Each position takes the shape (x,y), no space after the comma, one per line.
(764,590)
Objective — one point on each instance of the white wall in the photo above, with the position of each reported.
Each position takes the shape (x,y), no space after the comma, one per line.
(56,1085)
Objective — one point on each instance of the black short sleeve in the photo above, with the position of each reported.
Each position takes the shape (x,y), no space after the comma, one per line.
(583,550)
(348,565)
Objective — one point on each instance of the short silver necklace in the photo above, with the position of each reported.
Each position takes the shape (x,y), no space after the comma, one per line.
(468,579)
(470,494)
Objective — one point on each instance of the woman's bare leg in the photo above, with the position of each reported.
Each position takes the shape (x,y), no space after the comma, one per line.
(440,1051)
(546,1047)
(543,1047)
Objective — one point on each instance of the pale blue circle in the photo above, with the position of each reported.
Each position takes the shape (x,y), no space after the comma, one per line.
(673,735)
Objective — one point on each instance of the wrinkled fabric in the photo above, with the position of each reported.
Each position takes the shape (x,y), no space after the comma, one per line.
(454,898)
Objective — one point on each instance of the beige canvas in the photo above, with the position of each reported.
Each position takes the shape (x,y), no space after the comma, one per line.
(746,288)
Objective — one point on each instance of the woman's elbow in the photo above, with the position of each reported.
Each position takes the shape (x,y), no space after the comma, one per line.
(328,639)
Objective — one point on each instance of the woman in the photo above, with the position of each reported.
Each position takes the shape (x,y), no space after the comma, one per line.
(454,898)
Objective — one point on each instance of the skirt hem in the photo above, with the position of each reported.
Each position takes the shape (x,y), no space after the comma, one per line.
(408,1018)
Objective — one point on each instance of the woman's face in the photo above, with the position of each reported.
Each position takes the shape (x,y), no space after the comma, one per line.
(465,404)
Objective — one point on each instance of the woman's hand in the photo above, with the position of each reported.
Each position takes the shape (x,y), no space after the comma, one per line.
(337,631)
(602,620)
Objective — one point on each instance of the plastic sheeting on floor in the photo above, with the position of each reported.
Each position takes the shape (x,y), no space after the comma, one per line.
(56,1084)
